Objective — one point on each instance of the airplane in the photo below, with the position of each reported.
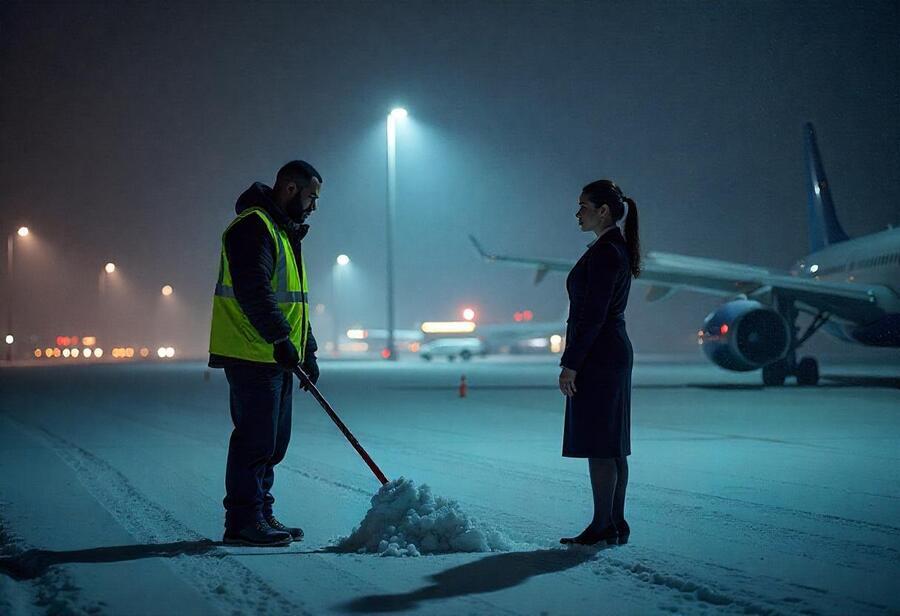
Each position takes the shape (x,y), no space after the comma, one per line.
(850,287)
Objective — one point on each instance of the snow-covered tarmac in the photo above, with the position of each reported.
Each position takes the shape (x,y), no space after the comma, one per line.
(741,500)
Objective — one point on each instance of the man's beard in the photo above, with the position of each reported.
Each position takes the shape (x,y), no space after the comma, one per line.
(295,211)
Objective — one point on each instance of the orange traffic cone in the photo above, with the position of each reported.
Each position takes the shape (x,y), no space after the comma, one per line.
(463,386)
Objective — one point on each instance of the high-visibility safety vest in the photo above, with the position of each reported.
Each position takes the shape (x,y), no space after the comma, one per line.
(231,333)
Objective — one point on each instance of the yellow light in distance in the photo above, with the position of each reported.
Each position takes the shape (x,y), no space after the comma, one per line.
(468,314)
(357,334)
(38,353)
(57,352)
(167,290)
(110,267)
(88,340)
(448,327)
(75,353)
(145,352)
(23,231)
(129,352)
(98,353)
(555,343)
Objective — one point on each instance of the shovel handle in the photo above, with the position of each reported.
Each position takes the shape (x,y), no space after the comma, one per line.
(311,388)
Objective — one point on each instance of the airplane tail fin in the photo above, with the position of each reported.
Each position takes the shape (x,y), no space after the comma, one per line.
(824,228)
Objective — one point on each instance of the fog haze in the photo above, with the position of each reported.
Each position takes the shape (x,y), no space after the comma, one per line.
(130,129)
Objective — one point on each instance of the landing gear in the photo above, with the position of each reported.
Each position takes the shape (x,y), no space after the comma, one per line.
(807,369)
(775,373)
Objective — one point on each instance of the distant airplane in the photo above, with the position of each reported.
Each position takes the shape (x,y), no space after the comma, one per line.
(849,286)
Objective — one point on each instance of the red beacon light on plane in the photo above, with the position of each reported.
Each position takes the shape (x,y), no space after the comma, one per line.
(723,329)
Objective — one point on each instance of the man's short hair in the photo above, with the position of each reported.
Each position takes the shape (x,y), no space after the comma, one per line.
(299,172)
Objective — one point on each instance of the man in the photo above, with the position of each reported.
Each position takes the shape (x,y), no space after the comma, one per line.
(260,332)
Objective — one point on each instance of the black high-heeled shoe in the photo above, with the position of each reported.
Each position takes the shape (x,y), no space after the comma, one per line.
(589,536)
(624,532)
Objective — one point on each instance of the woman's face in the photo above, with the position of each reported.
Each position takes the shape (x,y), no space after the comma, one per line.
(590,217)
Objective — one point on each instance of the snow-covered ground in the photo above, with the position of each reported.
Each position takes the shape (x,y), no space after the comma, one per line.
(741,500)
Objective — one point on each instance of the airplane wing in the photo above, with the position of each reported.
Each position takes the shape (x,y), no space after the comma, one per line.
(667,273)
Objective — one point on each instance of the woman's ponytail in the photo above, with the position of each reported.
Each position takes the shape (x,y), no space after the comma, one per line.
(632,237)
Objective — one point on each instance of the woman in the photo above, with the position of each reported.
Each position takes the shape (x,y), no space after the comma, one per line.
(596,365)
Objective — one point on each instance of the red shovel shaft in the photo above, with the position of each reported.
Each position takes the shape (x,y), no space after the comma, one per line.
(340,424)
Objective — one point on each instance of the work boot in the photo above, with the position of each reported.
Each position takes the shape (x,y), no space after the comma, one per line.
(258,534)
(295,533)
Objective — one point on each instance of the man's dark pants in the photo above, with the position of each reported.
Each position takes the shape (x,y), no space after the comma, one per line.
(261,412)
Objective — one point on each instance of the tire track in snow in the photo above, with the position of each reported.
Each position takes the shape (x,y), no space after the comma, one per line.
(224,583)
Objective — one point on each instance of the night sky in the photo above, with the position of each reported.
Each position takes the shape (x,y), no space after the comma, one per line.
(129,129)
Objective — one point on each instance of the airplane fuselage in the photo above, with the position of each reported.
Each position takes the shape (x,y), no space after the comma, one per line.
(871,259)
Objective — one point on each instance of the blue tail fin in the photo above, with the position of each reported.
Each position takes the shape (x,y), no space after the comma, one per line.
(824,228)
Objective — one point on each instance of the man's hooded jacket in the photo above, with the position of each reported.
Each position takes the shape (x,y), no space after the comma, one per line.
(251,261)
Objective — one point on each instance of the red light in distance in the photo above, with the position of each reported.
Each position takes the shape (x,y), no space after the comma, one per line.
(386,353)
(724,329)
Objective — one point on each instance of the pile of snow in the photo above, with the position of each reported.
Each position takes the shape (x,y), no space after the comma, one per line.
(406,520)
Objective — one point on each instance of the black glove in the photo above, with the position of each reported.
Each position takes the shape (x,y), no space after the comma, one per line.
(286,355)
(311,368)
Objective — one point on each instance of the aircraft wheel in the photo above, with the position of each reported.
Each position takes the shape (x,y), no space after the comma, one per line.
(775,373)
(808,371)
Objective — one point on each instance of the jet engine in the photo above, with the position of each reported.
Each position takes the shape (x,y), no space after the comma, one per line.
(744,335)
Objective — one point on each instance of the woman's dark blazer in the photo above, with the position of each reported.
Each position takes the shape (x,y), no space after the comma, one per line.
(598,416)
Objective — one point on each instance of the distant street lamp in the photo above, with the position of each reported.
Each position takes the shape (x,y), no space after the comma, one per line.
(10,283)
(340,263)
(108,270)
(393,117)
(167,290)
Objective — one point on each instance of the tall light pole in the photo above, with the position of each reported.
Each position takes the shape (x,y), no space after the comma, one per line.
(340,263)
(10,243)
(396,114)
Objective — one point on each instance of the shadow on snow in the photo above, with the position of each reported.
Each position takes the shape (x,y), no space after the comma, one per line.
(488,574)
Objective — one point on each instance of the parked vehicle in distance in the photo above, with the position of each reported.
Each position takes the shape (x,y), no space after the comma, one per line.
(451,348)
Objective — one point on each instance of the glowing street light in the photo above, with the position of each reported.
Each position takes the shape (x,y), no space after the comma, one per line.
(468,314)
(110,267)
(394,116)
(167,290)
(22,232)
(10,339)
(340,264)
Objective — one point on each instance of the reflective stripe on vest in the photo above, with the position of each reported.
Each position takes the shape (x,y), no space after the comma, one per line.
(231,334)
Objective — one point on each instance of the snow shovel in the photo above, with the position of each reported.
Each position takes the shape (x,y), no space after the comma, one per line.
(311,388)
